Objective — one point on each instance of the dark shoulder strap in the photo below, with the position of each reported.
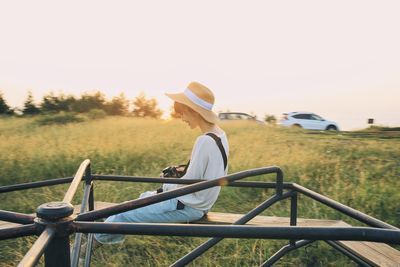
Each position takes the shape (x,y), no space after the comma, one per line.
(186,167)
(220,146)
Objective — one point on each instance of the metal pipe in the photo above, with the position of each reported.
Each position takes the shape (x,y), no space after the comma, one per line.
(279,182)
(37,250)
(89,242)
(78,237)
(284,250)
(91,197)
(76,181)
(244,231)
(90,202)
(16,217)
(185,181)
(255,184)
(85,198)
(293,209)
(213,241)
(18,231)
(358,215)
(76,250)
(138,203)
(88,254)
(88,174)
(139,179)
(347,253)
(293,213)
(23,186)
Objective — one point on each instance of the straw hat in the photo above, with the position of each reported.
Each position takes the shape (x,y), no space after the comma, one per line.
(199,98)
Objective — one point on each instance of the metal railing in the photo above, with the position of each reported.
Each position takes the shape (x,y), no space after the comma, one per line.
(55,222)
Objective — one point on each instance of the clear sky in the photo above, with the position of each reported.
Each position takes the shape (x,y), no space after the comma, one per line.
(339,59)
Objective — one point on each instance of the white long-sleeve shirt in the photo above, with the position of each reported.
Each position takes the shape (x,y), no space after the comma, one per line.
(206,163)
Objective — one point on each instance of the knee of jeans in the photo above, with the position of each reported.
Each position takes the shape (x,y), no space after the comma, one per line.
(123,217)
(109,238)
(115,218)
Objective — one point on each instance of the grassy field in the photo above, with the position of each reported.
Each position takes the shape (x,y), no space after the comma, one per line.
(359,170)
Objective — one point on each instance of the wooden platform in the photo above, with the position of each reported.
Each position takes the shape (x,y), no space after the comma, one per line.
(376,254)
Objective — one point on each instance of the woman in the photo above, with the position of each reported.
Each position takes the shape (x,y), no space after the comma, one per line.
(207,162)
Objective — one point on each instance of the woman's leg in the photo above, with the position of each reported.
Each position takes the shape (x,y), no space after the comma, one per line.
(162,212)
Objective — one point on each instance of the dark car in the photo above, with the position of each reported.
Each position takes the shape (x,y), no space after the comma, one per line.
(238,116)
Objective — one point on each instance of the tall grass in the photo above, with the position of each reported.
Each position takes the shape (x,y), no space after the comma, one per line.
(360,172)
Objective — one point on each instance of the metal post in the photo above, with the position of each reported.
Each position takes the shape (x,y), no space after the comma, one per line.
(279,182)
(293,213)
(56,215)
(57,253)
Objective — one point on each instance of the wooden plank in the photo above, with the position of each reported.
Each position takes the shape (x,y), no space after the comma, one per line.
(4,224)
(229,218)
(376,254)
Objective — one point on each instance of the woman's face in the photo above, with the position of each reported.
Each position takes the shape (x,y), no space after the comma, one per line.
(191,118)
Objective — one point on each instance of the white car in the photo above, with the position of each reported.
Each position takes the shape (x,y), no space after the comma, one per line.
(307,120)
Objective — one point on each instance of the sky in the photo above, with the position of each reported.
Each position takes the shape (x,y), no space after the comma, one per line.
(339,59)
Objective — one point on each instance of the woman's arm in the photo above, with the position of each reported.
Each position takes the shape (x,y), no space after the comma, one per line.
(198,162)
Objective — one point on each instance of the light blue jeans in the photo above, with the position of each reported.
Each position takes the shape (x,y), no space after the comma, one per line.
(162,212)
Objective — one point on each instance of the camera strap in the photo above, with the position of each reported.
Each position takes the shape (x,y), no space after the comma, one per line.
(220,146)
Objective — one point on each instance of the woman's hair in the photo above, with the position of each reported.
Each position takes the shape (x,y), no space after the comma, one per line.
(180,108)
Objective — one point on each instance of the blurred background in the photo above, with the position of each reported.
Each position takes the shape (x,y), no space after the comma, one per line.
(338,59)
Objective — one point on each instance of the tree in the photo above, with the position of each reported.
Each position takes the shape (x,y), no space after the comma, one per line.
(270,119)
(29,106)
(4,108)
(144,107)
(50,103)
(65,103)
(89,101)
(118,106)
(53,103)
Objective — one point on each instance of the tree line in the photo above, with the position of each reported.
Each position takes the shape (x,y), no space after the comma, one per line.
(52,103)
(140,106)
